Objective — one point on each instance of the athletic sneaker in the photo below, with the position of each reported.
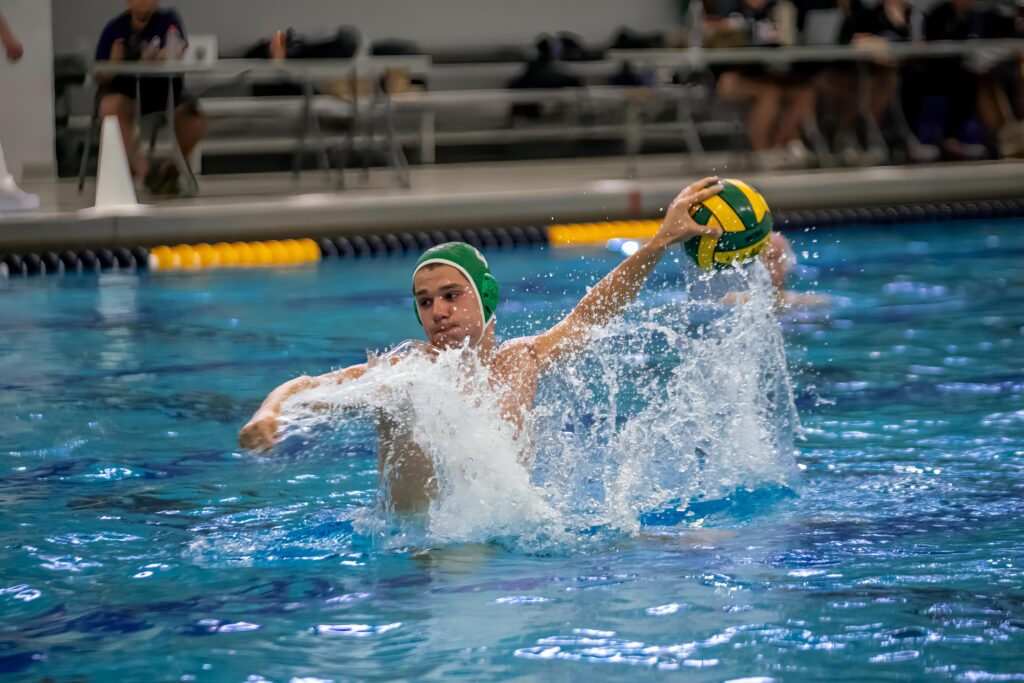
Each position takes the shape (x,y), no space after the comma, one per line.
(848,149)
(797,154)
(770,159)
(13,198)
(1011,140)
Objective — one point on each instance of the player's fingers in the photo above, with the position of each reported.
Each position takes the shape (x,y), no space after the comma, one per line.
(710,230)
(699,185)
(690,195)
(706,193)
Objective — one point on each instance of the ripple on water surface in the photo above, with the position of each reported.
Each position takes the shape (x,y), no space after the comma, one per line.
(135,540)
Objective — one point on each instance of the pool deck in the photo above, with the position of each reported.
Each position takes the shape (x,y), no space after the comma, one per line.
(269,206)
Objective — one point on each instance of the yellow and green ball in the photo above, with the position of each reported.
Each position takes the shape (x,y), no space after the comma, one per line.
(743,215)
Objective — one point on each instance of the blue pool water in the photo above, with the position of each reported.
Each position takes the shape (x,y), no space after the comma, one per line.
(139,545)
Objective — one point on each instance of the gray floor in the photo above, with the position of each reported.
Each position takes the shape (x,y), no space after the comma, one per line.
(263,206)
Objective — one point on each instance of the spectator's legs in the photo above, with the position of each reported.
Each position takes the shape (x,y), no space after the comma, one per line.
(799,110)
(839,85)
(838,90)
(123,108)
(763,97)
(883,83)
(993,105)
(997,114)
(278,46)
(962,88)
(1019,85)
(914,87)
(189,127)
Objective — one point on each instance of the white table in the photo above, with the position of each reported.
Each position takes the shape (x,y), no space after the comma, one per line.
(306,71)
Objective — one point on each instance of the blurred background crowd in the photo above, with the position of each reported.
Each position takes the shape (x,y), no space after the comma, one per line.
(785,83)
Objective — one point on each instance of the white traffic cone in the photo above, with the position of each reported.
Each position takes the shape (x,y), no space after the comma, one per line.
(12,197)
(115,189)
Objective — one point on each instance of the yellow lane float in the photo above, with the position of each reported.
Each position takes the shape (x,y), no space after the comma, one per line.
(233,255)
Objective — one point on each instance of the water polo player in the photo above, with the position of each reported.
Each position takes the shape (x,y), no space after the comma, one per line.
(455,298)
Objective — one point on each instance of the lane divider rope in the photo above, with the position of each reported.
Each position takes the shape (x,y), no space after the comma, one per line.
(589,234)
(195,257)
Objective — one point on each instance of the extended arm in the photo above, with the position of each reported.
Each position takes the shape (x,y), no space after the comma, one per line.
(606,300)
(260,433)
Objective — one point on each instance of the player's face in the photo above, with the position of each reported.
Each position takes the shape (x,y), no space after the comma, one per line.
(142,10)
(447,306)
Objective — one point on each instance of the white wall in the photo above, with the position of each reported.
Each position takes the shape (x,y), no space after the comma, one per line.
(431,23)
(26,89)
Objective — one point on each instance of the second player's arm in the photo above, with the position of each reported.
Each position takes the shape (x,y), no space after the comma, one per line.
(608,298)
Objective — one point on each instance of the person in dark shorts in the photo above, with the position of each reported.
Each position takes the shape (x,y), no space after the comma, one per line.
(780,102)
(144,32)
(871,24)
(974,86)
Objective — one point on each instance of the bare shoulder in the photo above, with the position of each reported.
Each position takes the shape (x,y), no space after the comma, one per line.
(516,365)
(518,347)
(517,354)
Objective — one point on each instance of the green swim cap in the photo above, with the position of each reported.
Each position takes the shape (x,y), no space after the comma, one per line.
(470,262)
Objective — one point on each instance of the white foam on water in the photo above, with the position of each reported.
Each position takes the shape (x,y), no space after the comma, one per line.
(686,399)
(450,409)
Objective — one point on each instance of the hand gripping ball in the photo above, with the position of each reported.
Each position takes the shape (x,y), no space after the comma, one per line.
(743,215)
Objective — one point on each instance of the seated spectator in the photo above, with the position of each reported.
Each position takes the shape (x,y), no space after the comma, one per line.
(12,197)
(867,23)
(1002,89)
(142,33)
(780,102)
(972,86)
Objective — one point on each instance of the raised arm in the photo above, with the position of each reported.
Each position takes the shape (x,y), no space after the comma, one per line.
(260,433)
(606,300)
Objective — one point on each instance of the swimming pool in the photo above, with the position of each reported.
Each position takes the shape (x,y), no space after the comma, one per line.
(139,545)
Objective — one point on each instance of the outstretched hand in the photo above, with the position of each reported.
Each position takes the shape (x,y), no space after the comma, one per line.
(260,434)
(678,225)
(118,51)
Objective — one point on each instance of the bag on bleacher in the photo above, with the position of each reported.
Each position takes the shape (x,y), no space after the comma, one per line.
(342,45)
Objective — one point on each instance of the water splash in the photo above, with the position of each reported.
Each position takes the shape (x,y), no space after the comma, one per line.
(444,403)
(684,400)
